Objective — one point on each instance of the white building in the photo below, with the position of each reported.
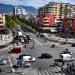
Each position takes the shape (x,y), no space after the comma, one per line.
(19,11)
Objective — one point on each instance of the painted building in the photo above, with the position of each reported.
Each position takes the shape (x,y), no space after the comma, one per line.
(69,24)
(46,19)
(2,21)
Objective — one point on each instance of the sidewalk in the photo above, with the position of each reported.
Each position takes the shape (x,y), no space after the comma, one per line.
(5,39)
(59,39)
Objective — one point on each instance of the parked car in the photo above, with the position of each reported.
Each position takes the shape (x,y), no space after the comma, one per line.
(2,62)
(45,56)
(27,58)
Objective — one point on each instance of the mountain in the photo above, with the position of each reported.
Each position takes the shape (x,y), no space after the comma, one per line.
(29,9)
(6,8)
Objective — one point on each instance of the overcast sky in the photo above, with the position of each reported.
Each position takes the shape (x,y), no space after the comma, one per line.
(34,3)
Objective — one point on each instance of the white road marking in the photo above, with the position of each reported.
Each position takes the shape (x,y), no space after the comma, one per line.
(47,73)
(39,43)
(11,64)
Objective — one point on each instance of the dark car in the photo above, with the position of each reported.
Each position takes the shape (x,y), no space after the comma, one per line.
(73,45)
(16,66)
(66,52)
(45,56)
(53,46)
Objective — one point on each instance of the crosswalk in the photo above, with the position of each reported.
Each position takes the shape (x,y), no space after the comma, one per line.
(51,71)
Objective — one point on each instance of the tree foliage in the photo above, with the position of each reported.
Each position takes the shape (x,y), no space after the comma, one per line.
(12,21)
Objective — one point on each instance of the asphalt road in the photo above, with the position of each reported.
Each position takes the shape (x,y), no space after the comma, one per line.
(40,47)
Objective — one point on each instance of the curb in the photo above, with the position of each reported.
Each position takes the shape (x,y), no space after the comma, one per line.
(59,41)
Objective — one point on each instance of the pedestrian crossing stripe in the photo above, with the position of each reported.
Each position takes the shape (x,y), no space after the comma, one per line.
(47,73)
(51,71)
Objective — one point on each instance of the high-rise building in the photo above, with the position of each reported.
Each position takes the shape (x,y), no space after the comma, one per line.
(19,11)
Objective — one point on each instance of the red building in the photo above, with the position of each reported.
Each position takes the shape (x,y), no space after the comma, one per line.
(69,24)
(46,19)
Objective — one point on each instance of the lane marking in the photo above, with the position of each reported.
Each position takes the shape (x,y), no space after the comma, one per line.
(11,64)
(39,43)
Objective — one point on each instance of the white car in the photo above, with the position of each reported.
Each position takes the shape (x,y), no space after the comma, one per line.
(2,62)
(27,58)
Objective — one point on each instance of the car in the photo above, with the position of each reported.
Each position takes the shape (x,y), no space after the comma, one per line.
(53,46)
(16,66)
(66,52)
(45,56)
(2,62)
(73,45)
(23,63)
(66,57)
(27,58)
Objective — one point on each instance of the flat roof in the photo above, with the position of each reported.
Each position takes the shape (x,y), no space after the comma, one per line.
(65,54)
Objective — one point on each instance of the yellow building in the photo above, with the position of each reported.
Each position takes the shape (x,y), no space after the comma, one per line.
(2,21)
(73,10)
(55,9)
(61,10)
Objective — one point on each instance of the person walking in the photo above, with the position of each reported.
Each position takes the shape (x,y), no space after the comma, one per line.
(25,41)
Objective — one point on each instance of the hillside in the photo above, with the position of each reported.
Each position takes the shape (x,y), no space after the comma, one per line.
(9,8)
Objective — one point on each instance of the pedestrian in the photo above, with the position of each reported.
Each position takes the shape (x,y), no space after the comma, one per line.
(45,39)
(67,50)
(63,63)
(25,40)
(72,65)
(0,69)
(61,69)
(1,37)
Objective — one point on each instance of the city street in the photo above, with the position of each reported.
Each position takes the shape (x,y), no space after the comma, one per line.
(43,66)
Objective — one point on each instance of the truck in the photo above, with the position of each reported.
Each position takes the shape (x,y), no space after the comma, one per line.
(66,57)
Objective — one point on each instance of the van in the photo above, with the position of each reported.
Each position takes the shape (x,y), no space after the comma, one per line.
(66,57)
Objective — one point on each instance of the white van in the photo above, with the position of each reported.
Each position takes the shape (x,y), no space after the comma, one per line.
(66,57)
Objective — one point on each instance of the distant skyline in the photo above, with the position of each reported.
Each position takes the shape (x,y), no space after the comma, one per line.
(34,3)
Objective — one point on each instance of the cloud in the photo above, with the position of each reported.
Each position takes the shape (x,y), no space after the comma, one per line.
(34,3)
(13,2)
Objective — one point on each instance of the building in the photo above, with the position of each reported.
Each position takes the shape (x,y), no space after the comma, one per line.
(73,11)
(2,21)
(60,10)
(19,11)
(69,25)
(46,19)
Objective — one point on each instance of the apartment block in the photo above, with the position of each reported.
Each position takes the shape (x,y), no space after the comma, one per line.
(19,11)
(60,10)
(2,21)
